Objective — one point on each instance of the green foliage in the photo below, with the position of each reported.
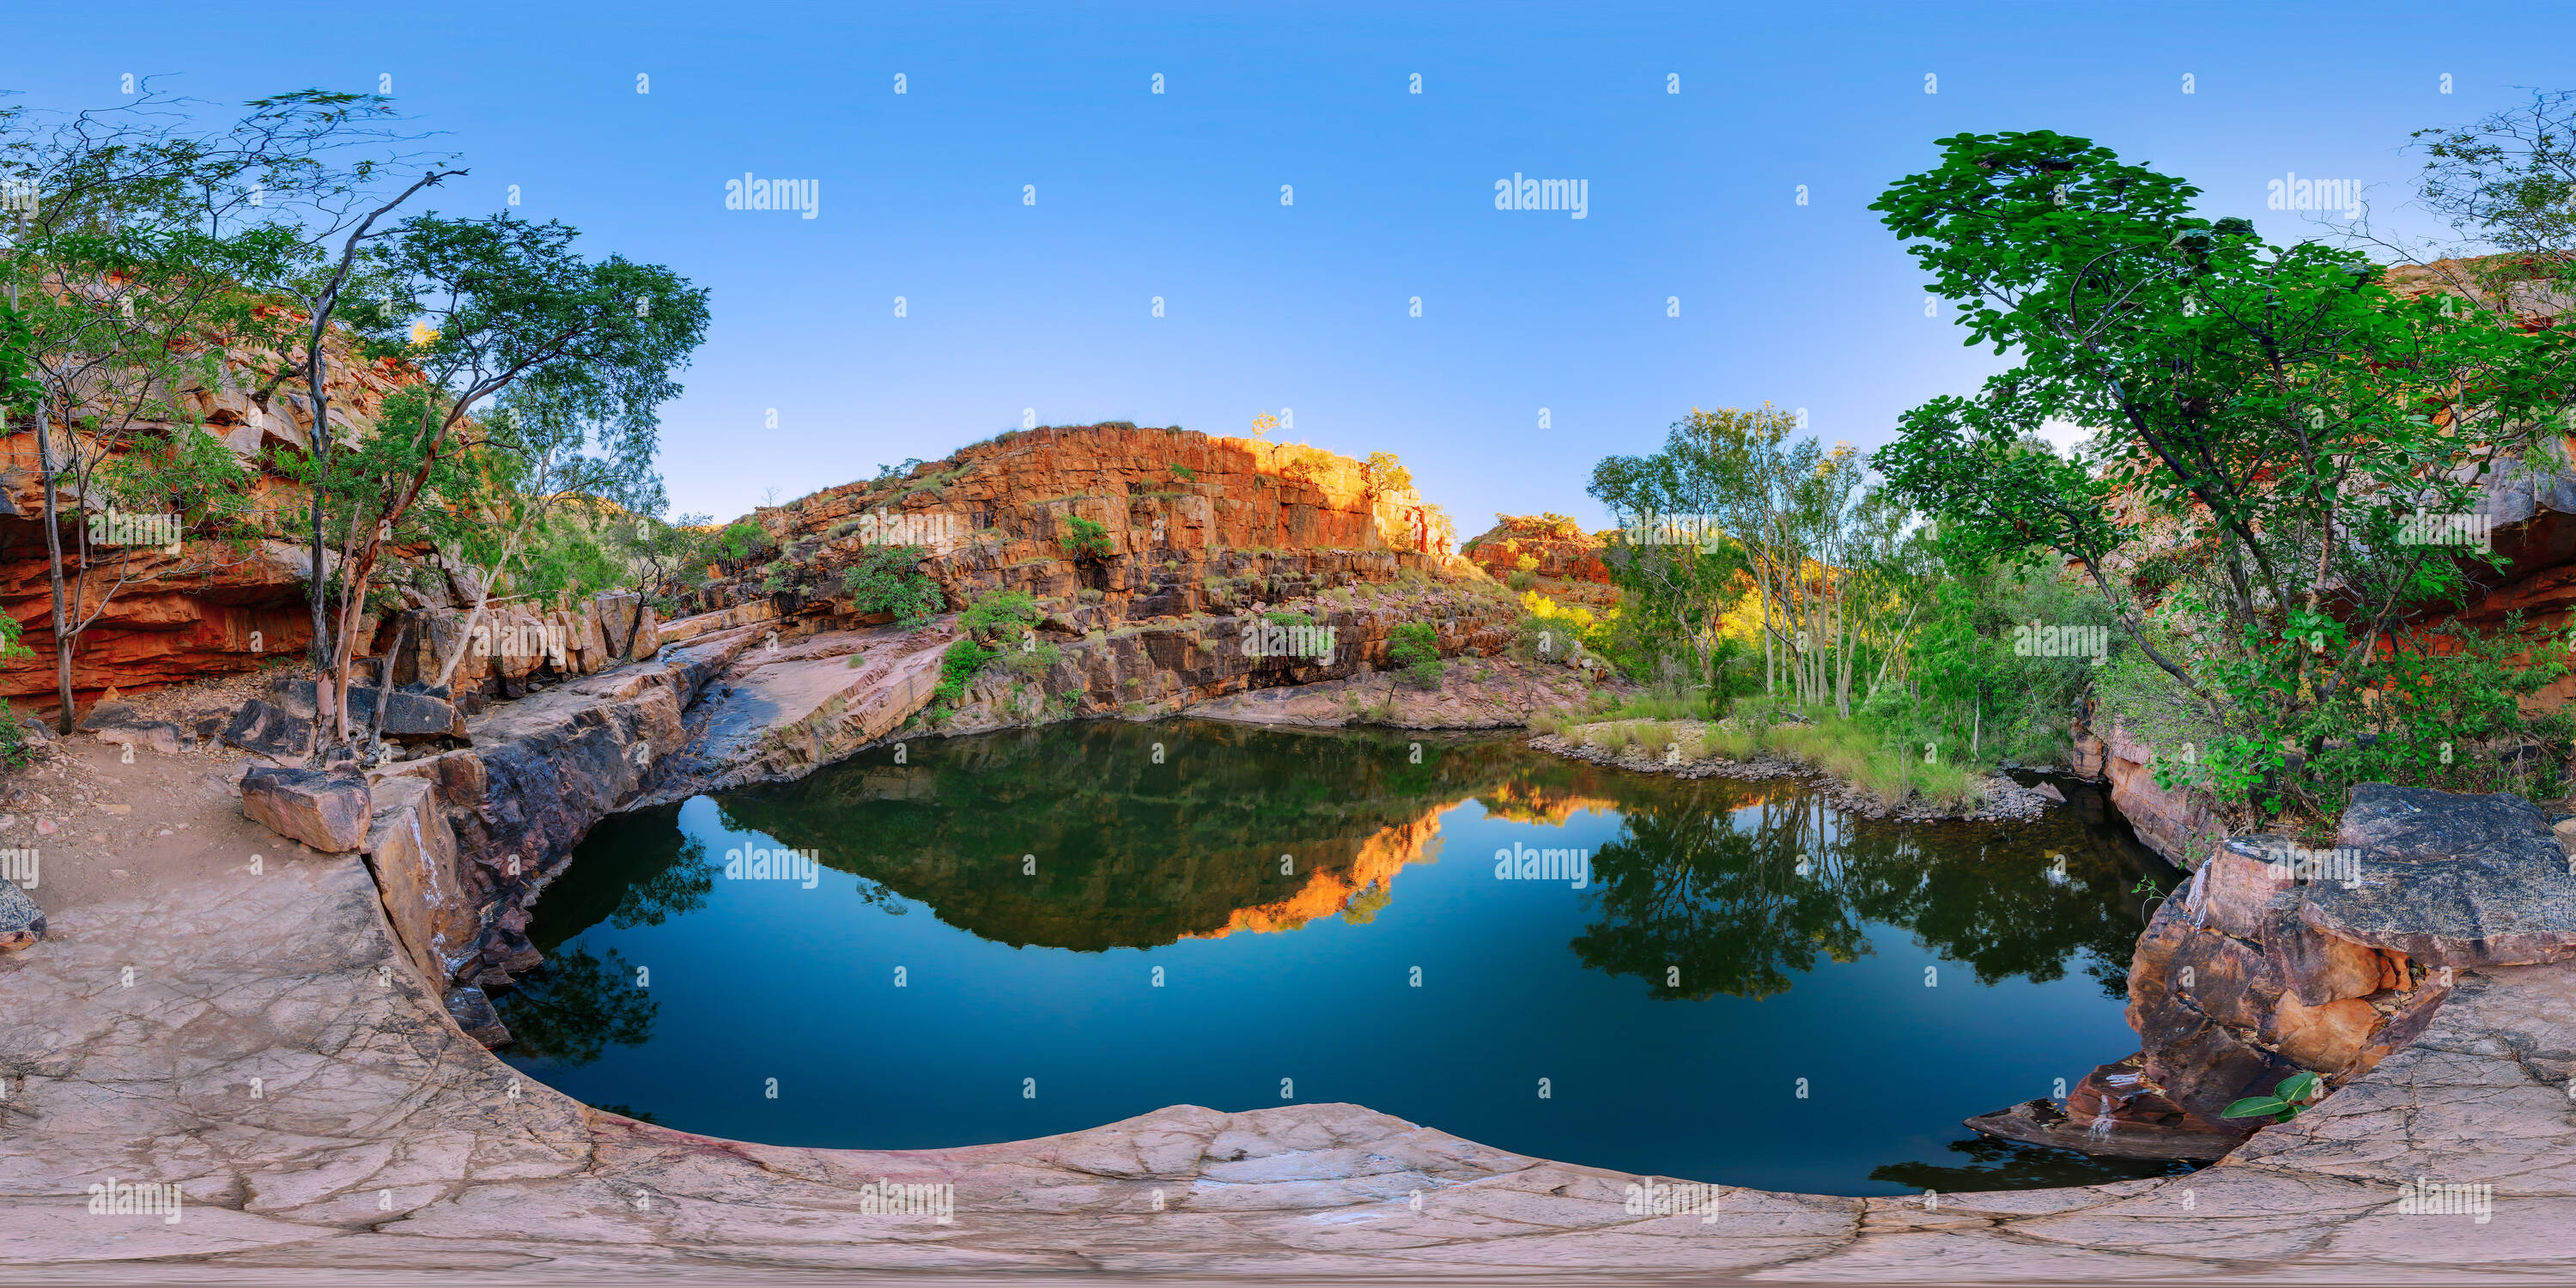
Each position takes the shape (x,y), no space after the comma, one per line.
(1184,473)
(888,579)
(667,559)
(1415,647)
(999,616)
(742,539)
(1086,539)
(1034,663)
(1387,474)
(2274,418)
(958,667)
(2293,1094)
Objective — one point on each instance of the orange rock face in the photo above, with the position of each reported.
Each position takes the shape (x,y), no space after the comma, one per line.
(1153,489)
(210,608)
(1543,545)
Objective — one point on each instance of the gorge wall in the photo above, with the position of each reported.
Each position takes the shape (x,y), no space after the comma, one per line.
(231,597)
(1202,546)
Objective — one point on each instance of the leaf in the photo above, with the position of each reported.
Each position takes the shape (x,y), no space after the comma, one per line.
(2297,1087)
(2254,1107)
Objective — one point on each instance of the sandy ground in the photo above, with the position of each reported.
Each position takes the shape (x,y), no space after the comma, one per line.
(103,830)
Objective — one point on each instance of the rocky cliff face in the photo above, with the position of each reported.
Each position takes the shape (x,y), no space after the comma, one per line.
(210,608)
(995,514)
(1541,545)
(1558,558)
(1201,545)
(2174,822)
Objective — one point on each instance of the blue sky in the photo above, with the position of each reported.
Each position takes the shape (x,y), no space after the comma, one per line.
(1267,306)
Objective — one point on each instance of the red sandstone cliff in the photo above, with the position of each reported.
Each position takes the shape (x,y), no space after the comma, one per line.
(217,606)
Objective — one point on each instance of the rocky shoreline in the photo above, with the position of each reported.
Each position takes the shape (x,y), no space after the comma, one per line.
(2006,801)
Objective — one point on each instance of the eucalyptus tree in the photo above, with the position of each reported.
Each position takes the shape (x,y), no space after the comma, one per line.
(482,306)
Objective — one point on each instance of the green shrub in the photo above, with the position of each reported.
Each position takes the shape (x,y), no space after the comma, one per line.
(742,540)
(1083,538)
(887,579)
(1032,663)
(1415,647)
(999,616)
(958,668)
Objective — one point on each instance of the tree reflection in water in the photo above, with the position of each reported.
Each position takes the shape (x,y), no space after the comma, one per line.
(1710,888)
(571,1009)
(1740,897)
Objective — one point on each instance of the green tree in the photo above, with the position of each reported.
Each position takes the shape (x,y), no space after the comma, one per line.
(888,579)
(491,303)
(2273,411)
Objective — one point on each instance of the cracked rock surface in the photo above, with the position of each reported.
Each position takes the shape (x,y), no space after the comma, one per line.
(277,1057)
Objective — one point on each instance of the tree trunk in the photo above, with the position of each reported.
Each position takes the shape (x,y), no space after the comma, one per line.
(634,625)
(320,651)
(54,559)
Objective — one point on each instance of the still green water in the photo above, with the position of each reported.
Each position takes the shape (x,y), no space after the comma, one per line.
(1038,931)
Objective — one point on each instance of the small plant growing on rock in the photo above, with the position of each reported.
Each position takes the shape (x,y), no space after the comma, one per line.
(958,668)
(1415,647)
(1032,664)
(2294,1093)
(999,615)
(1086,539)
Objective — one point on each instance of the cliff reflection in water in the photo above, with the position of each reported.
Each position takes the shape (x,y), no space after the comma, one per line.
(1146,835)
(1131,916)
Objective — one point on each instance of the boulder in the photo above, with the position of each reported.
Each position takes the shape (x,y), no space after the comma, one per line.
(22,923)
(109,715)
(159,735)
(270,730)
(410,714)
(325,810)
(473,1012)
(297,695)
(2328,1038)
(2450,880)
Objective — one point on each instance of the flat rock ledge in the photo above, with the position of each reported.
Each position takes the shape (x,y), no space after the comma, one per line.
(384,1144)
